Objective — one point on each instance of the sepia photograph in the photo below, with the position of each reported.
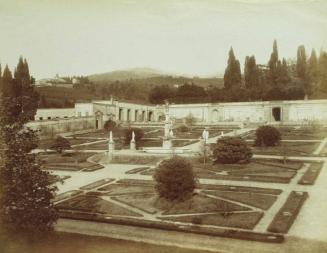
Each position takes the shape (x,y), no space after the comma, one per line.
(163,126)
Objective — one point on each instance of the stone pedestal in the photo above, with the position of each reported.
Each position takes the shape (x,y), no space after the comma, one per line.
(111,146)
(133,145)
(167,144)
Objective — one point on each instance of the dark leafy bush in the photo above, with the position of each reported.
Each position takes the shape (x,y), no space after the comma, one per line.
(175,179)
(60,144)
(183,129)
(231,150)
(109,125)
(267,136)
(138,134)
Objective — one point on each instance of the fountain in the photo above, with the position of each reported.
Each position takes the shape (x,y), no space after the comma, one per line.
(167,145)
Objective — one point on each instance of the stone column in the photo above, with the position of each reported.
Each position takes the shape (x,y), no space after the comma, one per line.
(111,147)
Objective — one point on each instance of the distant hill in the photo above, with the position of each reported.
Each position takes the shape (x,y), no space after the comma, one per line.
(128,74)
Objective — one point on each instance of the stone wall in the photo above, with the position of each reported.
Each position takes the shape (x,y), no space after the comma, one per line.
(54,113)
(50,128)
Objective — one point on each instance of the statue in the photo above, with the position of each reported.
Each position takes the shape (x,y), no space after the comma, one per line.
(132,144)
(205,135)
(171,133)
(133,136)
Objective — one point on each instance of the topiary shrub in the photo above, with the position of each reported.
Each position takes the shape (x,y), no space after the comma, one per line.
(138,134)
(183,129)
(267,136)
(109,125)
(60,144)
(175,179)
(231,150)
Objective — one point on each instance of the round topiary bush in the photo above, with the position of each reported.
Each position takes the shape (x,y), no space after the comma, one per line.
(267,136)
(231,150)
(183,129)
(138,134)
(175,179)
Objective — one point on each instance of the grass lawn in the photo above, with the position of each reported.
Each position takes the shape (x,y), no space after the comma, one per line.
(144,160)
(121,189)
(94,204)
(65,157)
(258,200)
(304,133)
(235,220)
(288,148)
(256,170)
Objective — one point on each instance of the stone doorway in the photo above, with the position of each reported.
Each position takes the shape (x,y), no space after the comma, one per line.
(276,113)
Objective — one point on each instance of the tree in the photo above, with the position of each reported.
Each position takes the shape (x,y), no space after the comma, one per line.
(60,144)
(26,193)
(251,73)
(231,150)
(312,68)
(109,125)
(272,65)
(175,180)
(283,78)
(301,68)
(322,72)
(267,136)
(159,94)
(232,76)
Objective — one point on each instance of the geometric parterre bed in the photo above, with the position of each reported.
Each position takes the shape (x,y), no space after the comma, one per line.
(257,170)
(239,208)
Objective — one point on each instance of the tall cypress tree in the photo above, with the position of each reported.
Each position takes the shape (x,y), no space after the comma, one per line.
(301,63)
(272,65)
(322,72)
(283,76)
(25,203)
(232,76)
(251,73)
(312,69)
(301,69)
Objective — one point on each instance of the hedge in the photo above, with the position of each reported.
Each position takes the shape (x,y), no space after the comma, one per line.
(285,217)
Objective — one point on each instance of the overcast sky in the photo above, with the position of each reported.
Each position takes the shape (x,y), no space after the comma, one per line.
(80,37)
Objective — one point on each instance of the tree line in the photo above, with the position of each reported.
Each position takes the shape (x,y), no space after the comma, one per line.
(277,80)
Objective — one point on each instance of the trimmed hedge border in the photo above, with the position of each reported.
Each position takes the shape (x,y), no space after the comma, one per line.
(97,184)
(137,170)
(286,216)
(230,233)
(239,189)
(310,176)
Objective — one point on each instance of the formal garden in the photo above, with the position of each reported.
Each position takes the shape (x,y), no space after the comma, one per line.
(223,189)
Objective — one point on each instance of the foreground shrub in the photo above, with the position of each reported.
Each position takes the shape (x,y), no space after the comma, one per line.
(267,136)
(175,179)
(109,125)
(60,144)
(138,134)
(231,150)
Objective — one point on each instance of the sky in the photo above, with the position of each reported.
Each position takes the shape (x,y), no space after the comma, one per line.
(191,37)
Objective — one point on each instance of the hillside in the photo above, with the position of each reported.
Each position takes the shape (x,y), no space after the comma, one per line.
(120,75)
